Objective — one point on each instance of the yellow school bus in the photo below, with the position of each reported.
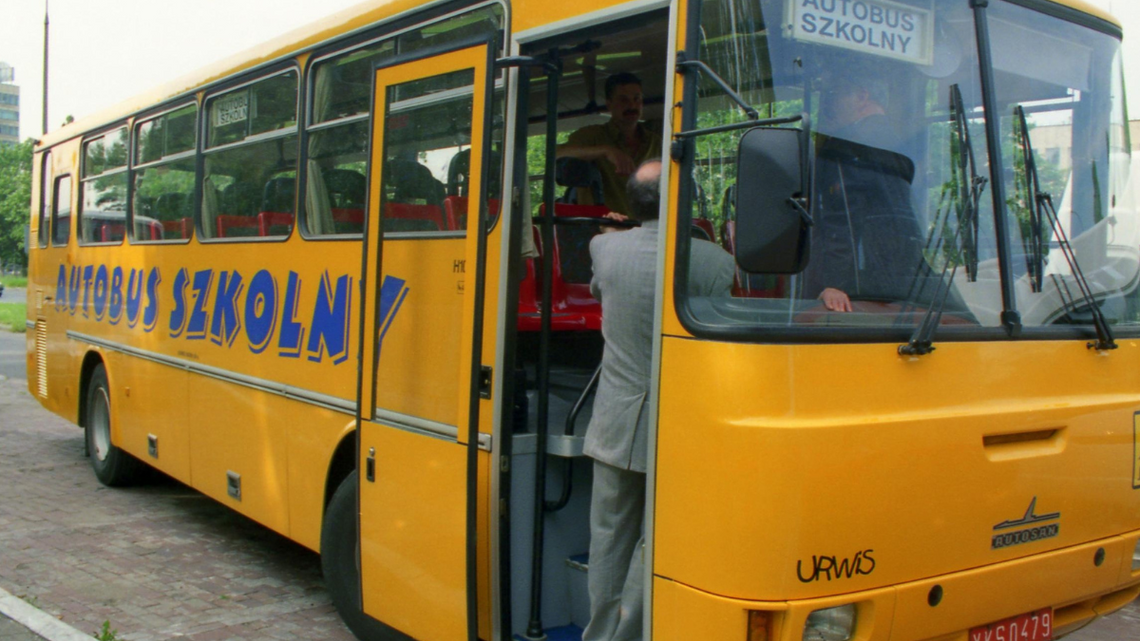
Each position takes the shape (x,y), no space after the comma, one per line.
(341,284)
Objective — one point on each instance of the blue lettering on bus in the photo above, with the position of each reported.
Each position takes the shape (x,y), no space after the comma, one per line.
(330,320)
(224,304)
(261,311)
(101,286)
(227,322)
(392,293)
(150,314)
(178,316)
(88,276)
(73,286)
(134,296)
(61,289)
(115,304)
(292,332)
(196,328)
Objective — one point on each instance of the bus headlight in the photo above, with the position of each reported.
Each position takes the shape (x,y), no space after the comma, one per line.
(832,624)
(1136,557)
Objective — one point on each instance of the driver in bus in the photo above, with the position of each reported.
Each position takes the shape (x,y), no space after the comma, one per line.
(618,146)
(865,242)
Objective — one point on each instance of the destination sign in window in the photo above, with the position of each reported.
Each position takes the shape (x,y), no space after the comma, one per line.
(873,27)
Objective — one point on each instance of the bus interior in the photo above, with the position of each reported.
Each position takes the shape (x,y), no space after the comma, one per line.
(561,379)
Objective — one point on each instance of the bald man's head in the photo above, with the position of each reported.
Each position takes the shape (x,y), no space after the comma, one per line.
(643,191)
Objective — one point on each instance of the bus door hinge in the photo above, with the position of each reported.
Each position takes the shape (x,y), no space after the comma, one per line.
(485,373)
(677,150)
(370,465)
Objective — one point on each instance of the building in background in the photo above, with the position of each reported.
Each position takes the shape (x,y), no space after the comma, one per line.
(9,106)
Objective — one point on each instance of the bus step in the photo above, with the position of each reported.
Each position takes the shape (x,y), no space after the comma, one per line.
(577,570)
(565,633)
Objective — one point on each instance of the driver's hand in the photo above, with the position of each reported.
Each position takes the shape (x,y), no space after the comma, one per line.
(613,215)
(622,161)
(835,300)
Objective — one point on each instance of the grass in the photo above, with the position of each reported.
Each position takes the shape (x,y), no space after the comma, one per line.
(106,634)
(14,281)
(13,317)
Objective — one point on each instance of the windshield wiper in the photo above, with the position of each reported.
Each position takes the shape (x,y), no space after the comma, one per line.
(970,192)
(1043,209)
(965,239)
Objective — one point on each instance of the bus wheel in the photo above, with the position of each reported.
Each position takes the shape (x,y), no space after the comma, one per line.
(340,563)
(113,467)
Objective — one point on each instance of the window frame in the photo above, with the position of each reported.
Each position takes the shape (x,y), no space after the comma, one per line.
(56,182)
(84,179)
(47,197)
(203,151)
(135,166)
(375,37)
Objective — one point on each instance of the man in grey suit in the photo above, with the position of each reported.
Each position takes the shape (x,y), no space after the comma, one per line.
(625,281)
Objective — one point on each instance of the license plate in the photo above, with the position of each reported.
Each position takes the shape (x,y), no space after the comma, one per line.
(1034,626)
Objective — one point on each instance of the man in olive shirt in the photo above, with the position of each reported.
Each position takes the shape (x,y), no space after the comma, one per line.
(619,146)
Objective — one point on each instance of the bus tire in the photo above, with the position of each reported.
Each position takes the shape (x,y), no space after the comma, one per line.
(113,467)
(340,563)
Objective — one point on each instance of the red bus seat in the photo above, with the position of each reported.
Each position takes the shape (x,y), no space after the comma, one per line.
(530,291)
(269,219)
(353,216)
(572,305)
(424,217)
(705,225)
(111,232)
(179,228)
(227,224)
(455,207)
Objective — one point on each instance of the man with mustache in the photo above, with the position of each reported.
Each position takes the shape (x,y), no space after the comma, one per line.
(618,146)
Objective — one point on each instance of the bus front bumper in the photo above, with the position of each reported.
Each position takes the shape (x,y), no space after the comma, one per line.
(1070,581)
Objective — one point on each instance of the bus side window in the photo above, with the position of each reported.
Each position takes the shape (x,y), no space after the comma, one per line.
(45,200)
(103,189)
(61,212)
(250,181)
(164,172)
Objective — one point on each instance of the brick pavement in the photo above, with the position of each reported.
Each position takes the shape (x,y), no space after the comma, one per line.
(158,562)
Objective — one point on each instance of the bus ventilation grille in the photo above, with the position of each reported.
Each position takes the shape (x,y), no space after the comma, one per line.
(41,358)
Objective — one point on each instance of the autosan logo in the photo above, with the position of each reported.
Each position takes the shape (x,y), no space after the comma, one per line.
(1031,527)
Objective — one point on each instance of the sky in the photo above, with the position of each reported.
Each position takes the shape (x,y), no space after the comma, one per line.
(105,51)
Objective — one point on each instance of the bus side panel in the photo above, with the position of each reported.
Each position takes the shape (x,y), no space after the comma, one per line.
(313,436)
(240,431)
(150,400)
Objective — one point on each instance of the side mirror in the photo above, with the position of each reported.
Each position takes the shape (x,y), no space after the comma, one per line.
(773,226)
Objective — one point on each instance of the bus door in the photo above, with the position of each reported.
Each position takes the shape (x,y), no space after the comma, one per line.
(423,258)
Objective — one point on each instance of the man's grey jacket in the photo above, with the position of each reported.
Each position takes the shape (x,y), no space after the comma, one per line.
(625,281)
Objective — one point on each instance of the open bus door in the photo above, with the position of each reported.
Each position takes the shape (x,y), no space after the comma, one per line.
(420,381)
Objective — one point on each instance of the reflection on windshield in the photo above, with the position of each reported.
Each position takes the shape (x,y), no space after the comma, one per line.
(904,219)
(1071,94)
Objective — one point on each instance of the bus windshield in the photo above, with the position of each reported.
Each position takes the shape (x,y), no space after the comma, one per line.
(902,200)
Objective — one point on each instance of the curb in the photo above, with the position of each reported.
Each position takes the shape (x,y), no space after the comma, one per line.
(38,621)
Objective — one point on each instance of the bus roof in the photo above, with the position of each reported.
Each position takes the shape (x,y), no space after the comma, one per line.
(366,14)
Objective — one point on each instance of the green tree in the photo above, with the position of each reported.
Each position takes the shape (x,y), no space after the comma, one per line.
(15,200)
